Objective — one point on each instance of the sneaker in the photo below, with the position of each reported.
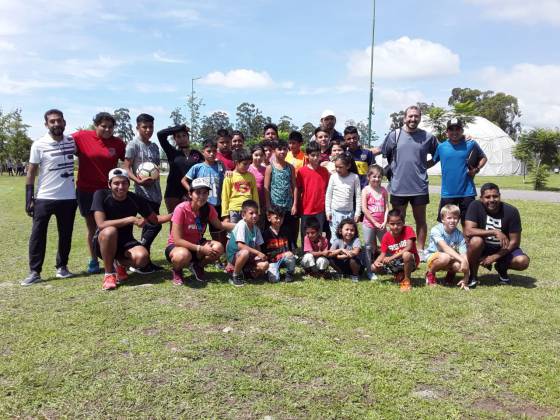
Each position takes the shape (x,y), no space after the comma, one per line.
(405,285)
(198,272)
(237,280)
(505,280)
(431,279)
(289,277)
(93,267)
(109,281)
(450,277)
(423,254)
(32,278)
(122,275)
(178,279)
(399,277)
(272,278)
(63,273)
(372,276)
(355,279)
(473,281)
(147,269)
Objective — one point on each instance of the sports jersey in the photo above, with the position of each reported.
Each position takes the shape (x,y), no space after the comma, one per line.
(455,239)
(139,152)
(56,167)
(391,245)
(192,227)
(241,233)
(214,174)
(363,159)
(237,189)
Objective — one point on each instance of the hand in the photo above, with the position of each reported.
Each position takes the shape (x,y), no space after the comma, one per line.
(356,218)
(30,207)
(139,221)
(386,260)
(489,260)
(294,210)
(145,182)
(261,256)
(329,217)
(207,250)
(382,226)
(472,172)
(378,263)
(504,240)
(463,284)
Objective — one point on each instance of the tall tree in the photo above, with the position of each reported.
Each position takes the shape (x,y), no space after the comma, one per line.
(250,120)
(15,143)
(397,119)
(194,104)
(123,127)
(285,124)
(212,123)
(177,117)
(307,131)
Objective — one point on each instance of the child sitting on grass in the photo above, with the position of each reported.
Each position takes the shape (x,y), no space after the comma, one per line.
(447,248)
(346,250)
(398,251)
(276,247)
(316,249)
(243,247)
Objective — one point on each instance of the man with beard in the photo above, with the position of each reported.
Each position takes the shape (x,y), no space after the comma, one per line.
(328,121)
(53,156)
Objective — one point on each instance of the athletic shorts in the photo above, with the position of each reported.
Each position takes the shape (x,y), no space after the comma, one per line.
(170,248)
(462,202)
(490,250)
(397,266)
(344,265)
(85,200)
(122,247)
(414,200)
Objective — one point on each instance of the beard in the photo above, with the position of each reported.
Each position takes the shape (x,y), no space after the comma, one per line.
(56,131)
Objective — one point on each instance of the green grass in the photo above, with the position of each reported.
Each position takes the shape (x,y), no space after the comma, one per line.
(512,182)
(319,349)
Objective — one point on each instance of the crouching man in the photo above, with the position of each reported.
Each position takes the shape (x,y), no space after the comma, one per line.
(494,229)
(116,212)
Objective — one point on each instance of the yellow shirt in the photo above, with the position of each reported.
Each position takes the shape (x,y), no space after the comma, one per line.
(236,189)
(296,161)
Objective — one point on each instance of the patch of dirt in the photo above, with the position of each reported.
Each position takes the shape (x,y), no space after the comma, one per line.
(427,393)
(150,331)
(509,404)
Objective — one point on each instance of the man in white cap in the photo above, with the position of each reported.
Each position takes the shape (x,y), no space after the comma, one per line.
(328,121)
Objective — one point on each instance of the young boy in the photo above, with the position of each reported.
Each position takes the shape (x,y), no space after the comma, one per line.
(447,248)
(243,248)
(316,249)
(223,142)
(276,247)
(238,187)
(237,140)
(322,138)
(363,157)
(295,156)
(398,251)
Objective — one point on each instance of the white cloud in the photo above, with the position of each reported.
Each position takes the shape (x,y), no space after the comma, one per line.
(239,79)
(530,12)
(162,58)
(10,86)
(405,58)
(537,87)
(96,68)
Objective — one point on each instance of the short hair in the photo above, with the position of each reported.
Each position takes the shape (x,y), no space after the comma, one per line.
(489,186)
(101,116)
(54,111)
(256,147)
(223,132)
(395,213)
(312,223)
(249,204)
(450,209)
(240,155)
(337,142)
(269,143)
(238,133)
(345,158)
(312,147)
(278,211)
(319,129)
(144,118)
(375,167)
(281,144)
(408,108)
(347,221)
(209,143)
(270,125)
(295,136)
(351,130)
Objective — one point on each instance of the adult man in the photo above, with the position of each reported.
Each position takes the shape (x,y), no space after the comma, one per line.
(362,157)
(98,151)
(408,148)
(328,121)
(53,156)
(457,175)
(138,151)
(494,229)
(115,212)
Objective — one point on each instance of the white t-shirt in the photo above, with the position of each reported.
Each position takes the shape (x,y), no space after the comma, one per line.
(56,167)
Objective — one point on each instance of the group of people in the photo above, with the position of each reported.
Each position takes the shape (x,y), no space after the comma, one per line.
(257,201)
(13,167)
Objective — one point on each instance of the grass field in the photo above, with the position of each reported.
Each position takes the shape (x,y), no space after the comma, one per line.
(512,182)
(319,349)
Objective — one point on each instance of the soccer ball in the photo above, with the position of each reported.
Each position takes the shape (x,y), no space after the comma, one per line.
(148,170)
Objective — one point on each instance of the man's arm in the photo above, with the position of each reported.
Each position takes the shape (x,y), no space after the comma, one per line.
(102,222)
(472,229)
(127,164)
(29,188)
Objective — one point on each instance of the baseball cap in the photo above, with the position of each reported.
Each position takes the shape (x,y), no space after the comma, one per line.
(455,122)
(117,172)
(327,113)
(200,183)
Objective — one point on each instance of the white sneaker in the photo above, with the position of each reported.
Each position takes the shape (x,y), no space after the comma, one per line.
(372,276)
(423,254)
(63,273)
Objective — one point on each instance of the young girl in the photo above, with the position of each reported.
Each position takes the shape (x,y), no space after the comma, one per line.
(343,194)
(374,206)
(346,250)
(258,169)
(336,150)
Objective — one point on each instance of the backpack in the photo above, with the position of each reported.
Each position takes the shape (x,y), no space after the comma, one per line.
(391,156)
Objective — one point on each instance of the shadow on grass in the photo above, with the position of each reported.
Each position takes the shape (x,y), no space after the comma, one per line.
(517,280)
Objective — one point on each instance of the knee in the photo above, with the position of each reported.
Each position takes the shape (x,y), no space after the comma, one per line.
(476,243)
(444,259)
(108,233)
(521,262)
(141,257)
(181,256)
(242,254)
(407,256)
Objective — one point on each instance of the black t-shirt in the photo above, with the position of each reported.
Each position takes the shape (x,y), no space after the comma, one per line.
(506,220)
(274,244)
(133,204)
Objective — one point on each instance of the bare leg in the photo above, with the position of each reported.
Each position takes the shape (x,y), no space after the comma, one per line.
(419,213)
(91,228)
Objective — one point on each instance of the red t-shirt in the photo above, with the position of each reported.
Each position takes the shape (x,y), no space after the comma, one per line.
(185,216)
(391,245)
(228,163)
(312,186)
(96,158)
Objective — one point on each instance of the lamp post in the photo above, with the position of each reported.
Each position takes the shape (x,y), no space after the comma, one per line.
(371,76)
(192,105)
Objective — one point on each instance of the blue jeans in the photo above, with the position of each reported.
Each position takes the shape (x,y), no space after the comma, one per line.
(337,217)
(371,236)
(288,262)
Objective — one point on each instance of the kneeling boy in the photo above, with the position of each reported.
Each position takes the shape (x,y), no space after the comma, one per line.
(276,247)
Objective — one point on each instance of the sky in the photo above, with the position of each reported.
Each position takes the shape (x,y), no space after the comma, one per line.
(292,58)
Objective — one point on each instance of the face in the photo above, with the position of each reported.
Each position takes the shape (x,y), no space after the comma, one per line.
(294,146)
(395,225)
(454,133)
(348,232)
(119,187)
(491,200)
(145,130)
(341,168)
(224,144)
(237,142)
(374,177)
(258,157)
(251,216)
(336,150)
(328,122)
(352,141)
(275,220)
(105,129)
(243,166)
(182,139)
(281,153)
(450,221)
(270,134)
(55,124)
(412,119)
(312,234)
(199,196)
(209,154)
(323,139)
(314,158)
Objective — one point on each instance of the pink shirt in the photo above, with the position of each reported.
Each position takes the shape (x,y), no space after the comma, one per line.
(308,246)
(375,205)
(185,216)
(258,173)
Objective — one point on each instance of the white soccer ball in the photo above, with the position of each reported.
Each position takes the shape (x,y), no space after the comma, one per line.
(147,170)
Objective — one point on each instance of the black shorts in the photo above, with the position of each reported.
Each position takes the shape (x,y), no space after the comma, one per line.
(344,265)
(462,202)
(85,199)
(122,246)
(219,211)
(170,248)
(414,200)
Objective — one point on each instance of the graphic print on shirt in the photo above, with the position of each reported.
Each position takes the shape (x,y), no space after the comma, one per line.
(395,247)
(66,151)
(242,187)
(493,224)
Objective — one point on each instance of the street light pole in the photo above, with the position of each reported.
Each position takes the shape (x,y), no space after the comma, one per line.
(192,106)
(371,76)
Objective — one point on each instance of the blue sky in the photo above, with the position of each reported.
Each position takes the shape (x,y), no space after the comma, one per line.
(292,58)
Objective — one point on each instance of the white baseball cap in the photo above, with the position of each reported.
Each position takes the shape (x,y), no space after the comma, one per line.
(117,172)
(327,113)
(200,183)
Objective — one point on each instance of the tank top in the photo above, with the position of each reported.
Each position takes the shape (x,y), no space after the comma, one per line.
(376,206)
(281,187)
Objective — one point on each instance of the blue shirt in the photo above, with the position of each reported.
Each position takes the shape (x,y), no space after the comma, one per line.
(363,159)
(214,174)
(455,181)
(241,233)
(455,239)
